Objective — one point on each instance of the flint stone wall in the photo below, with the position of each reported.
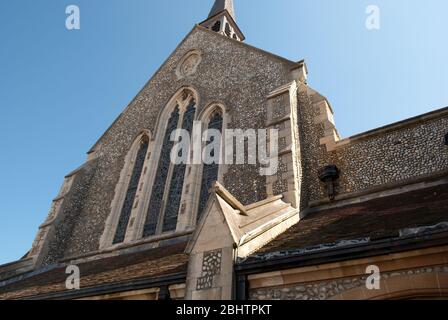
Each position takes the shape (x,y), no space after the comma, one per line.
(391,155)
(220,77)
(326,290)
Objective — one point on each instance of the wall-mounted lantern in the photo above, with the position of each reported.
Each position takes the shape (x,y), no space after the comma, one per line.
(329,175)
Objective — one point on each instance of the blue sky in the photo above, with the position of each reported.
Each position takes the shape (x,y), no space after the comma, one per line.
(60,89)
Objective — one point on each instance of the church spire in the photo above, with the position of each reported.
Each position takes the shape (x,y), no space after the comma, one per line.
(221,5)
(221,19)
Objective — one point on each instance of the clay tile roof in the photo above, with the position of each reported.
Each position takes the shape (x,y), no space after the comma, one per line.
(375,219)
(146,264)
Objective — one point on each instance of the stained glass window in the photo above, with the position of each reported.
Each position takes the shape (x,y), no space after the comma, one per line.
(156,200)
(131,192)
(209,171)
(177,180)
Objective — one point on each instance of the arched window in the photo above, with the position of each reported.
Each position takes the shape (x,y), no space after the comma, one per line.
(155,204)
(217,26)
(131,191)
(177,180)
(164,203)
(210,171)
(228,30)
(128,191)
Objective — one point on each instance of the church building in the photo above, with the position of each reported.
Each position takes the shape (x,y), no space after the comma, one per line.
(363,217)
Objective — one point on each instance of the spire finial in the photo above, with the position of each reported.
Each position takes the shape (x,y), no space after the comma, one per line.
(221,5)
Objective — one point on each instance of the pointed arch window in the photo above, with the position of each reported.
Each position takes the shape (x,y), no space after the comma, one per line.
(155,204)
(164,203)
(131,192)
(177,180)
(210,171)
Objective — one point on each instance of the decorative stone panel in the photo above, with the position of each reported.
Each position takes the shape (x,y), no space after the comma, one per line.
(189,64)
(211,266)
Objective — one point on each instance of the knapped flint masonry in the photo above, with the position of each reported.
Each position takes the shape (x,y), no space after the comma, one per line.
(141,227)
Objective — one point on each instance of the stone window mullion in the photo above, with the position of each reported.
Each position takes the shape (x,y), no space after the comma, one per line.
(200,171)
